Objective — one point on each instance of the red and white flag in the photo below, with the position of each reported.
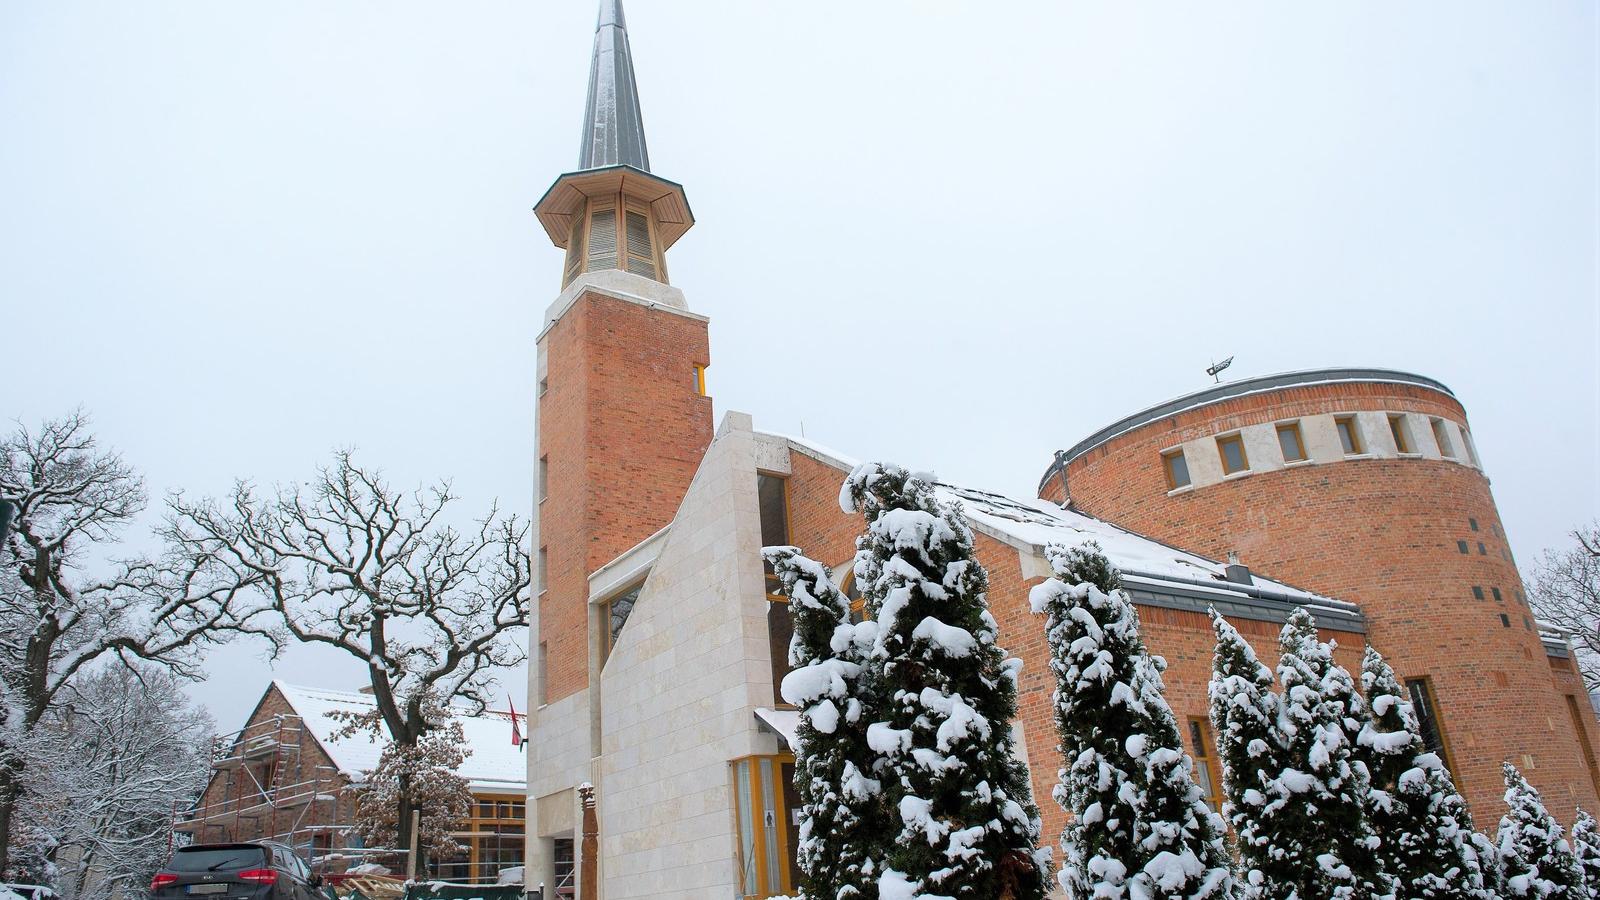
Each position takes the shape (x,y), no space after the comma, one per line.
(516,730)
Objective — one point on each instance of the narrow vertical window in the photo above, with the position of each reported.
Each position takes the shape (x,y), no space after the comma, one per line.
(544,569)
(1420,691)
(1441,437)
(767,832)
(1231,449)
(1472,450)
(1177,469)
(544,386)
(1401,429)
(1294,449)
(1583,738)
(1207,772)
(1349,434)
(543,662)
(700,380)
(772,497)
(544,478)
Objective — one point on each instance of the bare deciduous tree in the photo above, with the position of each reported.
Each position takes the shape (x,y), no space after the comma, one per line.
(351,563)
(64,604)
(1566,593)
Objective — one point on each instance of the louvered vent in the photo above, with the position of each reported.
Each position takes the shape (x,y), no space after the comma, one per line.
(574,252)
(603,239)
(641,256)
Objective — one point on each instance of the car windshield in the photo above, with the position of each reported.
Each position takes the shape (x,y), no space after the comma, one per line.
(218,859)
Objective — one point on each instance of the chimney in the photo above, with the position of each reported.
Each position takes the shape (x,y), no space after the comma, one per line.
(1237,572)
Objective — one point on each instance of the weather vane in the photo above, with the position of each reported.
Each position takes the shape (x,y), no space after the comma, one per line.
(1215,371)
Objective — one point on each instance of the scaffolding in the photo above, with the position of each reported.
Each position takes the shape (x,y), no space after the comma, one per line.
(269,790)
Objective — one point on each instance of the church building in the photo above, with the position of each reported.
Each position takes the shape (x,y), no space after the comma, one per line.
(659,639)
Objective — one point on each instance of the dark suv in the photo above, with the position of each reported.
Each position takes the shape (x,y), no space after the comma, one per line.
(257,870)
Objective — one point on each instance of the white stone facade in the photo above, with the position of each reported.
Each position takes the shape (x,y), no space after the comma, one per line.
(674,703)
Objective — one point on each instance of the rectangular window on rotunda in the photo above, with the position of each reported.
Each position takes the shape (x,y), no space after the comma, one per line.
(1289,441)
(1231,448)
(1177,469)
(1349,435)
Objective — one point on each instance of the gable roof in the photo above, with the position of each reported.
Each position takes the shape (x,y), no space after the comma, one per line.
(494,765)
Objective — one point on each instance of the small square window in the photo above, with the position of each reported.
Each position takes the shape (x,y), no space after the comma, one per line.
(1294,449)
(1349,434)
(1231,448)
(1505,621)
(1477,592)
(1473,524)
(1177,468)
(1441,437)
(1401,429)
(1496,593)
(1462,546)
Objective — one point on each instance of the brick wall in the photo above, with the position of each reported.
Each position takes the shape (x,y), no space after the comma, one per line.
(622,427)
(1383,533)
(1184,638)
(225,803)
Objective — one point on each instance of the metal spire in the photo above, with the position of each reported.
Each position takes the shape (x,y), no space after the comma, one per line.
(613,127)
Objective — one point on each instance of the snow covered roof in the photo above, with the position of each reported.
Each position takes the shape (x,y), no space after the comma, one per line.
(1154,573)
(495,765)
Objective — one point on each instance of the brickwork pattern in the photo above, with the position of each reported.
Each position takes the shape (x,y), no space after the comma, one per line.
(622,427)
(232,789)
(1184,638)
(1407,539)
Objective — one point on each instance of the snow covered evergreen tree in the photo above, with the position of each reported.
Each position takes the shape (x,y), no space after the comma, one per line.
(1244,714)
(1538,862)
(1416,811)
(841,815)
(1140,826)
(968,826)
(1322,828)
(1586,848)
(1494,870)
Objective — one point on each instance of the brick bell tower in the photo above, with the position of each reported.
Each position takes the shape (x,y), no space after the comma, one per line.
(623,416)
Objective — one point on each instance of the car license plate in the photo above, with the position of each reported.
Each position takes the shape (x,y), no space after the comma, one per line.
(208,889)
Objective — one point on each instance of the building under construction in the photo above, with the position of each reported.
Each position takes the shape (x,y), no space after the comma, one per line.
(284,776)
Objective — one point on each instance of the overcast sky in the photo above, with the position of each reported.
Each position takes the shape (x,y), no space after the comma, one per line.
(959,235)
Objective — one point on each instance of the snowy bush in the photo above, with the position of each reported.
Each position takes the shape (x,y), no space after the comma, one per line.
(967,826)
(1140,826)
(841,817)
(1538,863)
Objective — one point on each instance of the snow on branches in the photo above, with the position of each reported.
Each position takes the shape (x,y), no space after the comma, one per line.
(1420,818)
(968,828)
(417,776)
(841,815)
(1538,861)
(1140,827)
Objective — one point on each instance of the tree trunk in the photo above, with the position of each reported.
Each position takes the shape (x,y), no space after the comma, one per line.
(10,792)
